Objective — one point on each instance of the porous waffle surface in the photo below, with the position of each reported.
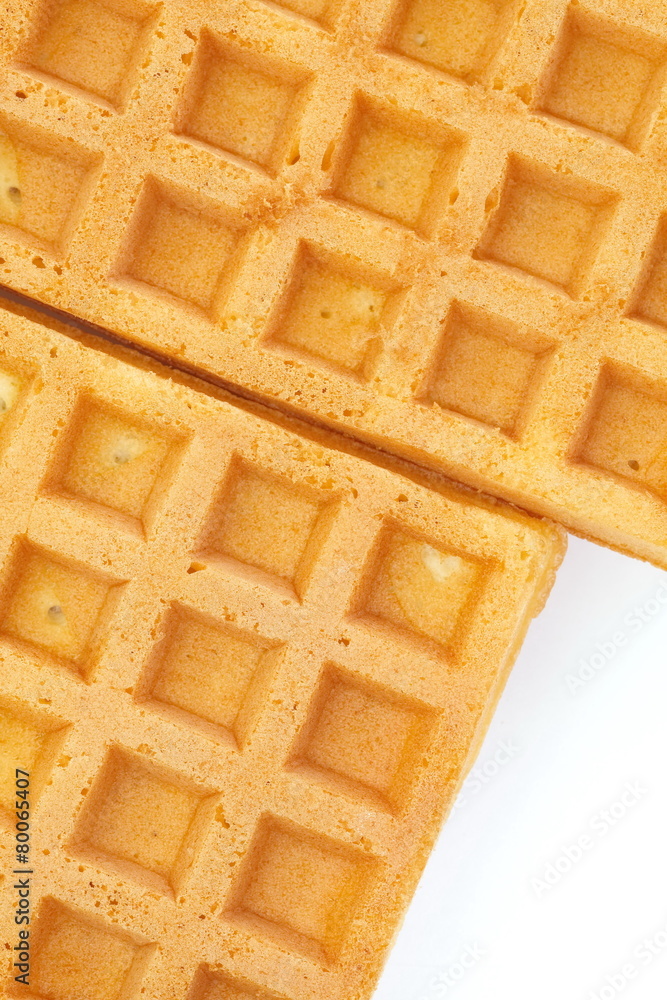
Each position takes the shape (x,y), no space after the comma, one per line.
(247,673)
(437,225)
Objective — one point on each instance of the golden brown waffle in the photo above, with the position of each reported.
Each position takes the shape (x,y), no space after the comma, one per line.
(437,224)
(247,673)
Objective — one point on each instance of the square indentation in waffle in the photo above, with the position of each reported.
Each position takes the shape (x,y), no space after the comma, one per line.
(12,385)
(210,985)
(423,591)
(44,183)
(334,312)
(300,888)
(322,11)
(96,46)
(31,742)
(547,224)
(267,523)
(486,368)
(111,459)
(626,429)
(142,821)
(362,739)
(604,77)
(241,103)
(460,37)
(56,607)
(390,164)
(207,675)
(179,244)
(78,956)
(649,302)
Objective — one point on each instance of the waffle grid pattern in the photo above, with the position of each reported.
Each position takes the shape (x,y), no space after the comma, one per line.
(198,649)
(447,240)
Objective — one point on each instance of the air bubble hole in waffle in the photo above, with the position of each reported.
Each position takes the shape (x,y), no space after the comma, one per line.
(247,670)
(438,226)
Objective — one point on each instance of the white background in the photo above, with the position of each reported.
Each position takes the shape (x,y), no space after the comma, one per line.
(485,923)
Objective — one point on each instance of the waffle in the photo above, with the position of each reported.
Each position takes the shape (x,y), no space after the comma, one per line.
(247,672)
(438,226)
